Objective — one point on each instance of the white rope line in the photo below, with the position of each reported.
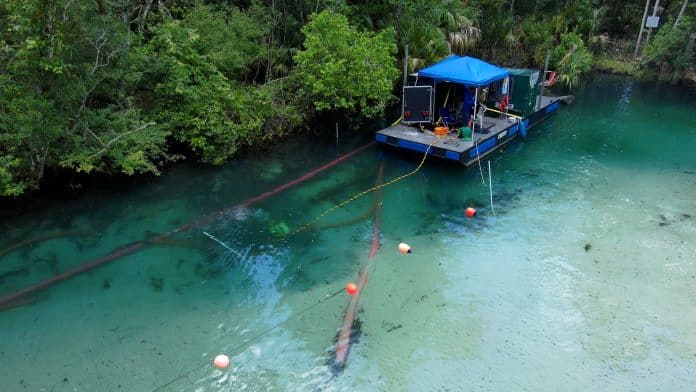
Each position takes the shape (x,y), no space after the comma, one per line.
(490,185)
(223,244)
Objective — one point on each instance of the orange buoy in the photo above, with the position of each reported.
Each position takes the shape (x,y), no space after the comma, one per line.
(221,361)
(351,288)
(470,212)
(404,248)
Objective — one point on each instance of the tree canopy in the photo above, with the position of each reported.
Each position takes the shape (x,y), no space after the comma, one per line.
(343,68)
(115,87)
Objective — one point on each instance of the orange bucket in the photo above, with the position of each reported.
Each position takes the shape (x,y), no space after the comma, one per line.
(441,130)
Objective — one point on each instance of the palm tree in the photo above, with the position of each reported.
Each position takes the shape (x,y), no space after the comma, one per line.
(460,32)
(435,30)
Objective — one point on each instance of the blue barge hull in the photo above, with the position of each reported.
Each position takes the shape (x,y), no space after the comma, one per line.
(498,132)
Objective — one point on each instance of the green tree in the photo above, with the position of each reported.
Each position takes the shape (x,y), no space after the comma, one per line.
(673,46)
(343,68)
(433,30)
(63,97)
(231,39)
(194,100)
(572,59)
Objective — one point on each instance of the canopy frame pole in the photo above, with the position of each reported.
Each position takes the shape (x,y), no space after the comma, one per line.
(473,137)
(405,65)
(432,102)
(476,103)
(473,122)
(542,80)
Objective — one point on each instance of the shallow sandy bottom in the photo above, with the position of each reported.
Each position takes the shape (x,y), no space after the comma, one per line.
(582,278)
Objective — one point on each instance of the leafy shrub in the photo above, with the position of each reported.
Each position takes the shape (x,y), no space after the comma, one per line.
(343,68)
(670,44)
(571,59)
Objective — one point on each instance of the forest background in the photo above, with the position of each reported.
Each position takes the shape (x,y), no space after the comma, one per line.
(126,87)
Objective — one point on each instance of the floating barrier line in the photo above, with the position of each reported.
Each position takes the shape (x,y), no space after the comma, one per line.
(343,341)
(134,247)
(307,176)
(75,271)
(251,339)
(44,237)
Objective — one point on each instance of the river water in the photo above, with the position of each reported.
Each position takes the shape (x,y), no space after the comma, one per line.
(582,276)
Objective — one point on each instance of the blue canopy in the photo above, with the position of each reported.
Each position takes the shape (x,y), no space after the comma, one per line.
(465,70)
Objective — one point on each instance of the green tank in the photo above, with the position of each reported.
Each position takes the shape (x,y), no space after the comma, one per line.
(524,88)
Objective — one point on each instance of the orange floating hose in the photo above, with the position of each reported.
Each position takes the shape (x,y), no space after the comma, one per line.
(343,343)
(136,246)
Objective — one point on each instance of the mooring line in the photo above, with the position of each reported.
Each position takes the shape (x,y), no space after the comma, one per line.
(251,339)
(223,244)
(490,185)
(305,177)
(363,193)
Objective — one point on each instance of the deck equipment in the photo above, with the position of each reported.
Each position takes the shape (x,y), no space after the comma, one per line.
(481,107)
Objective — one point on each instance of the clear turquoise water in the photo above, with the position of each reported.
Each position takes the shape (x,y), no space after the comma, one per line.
(583,277)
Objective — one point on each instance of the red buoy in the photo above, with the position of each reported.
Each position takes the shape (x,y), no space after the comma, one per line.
(351,288)
(470,212)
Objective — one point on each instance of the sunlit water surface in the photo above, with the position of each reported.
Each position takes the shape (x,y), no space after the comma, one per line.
(581,277)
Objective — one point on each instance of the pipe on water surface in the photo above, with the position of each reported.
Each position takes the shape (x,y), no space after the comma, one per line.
(136,246)
(343,341)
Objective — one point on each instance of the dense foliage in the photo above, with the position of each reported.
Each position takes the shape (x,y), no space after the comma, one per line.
(126,86)
(673,47)
(342,68)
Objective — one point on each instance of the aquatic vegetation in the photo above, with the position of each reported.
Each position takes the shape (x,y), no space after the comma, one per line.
(279,229)
(44,237)
(51,261)
(271,170)
(157,283)
(24,271)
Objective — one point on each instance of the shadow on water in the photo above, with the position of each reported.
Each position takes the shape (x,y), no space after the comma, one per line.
(355,333)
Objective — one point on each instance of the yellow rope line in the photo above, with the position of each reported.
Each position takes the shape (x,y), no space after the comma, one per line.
(507,114)
(363,193)
(397,121)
